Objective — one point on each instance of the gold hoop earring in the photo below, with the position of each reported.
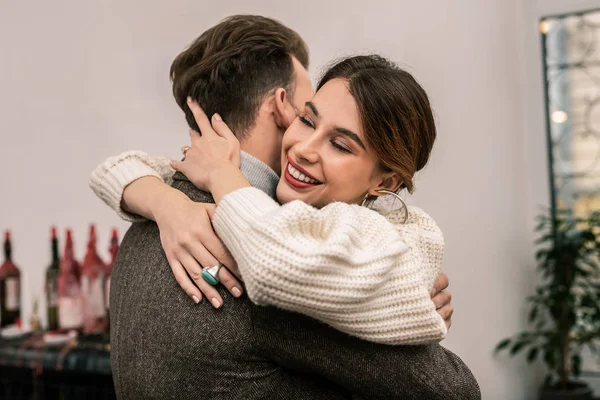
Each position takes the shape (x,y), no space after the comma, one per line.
(369,199)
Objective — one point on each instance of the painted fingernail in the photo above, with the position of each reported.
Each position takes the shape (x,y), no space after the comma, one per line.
(196,299)
(215,302)
(236,291)
(217,117)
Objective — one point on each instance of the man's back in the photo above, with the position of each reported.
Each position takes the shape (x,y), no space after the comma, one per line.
(165,346)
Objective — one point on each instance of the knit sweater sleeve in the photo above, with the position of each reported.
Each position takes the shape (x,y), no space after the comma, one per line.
(344,264)
(111,177)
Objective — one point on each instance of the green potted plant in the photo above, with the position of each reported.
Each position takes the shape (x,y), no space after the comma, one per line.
(564,314)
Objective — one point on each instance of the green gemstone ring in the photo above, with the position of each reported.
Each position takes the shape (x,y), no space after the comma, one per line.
(211,274)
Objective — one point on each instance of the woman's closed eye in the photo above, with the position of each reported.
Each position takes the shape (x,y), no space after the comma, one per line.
(335,144)
(340,147)
(306,122)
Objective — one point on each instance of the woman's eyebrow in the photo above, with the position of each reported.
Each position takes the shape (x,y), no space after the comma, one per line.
(343,131)
(310,105)
(351,135)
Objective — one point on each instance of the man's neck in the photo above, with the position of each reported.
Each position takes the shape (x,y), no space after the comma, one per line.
(264,144)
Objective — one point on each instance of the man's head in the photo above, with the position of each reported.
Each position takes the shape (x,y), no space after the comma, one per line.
(239,64)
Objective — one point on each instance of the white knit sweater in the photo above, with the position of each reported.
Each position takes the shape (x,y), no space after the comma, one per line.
(348,266)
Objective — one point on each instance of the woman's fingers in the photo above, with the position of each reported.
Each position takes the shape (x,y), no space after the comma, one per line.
(233,143)
(206,257)
(195,271)
(191,266)
(441,283)
(200,117)
(442,302)
(442,299)
(180,166)
(228,280)
(211,294)
(193,136)
(446,314)
(185,267)
(203,243)
(221,128)
(217,251)
(184,281)
(186,165)
(176,165)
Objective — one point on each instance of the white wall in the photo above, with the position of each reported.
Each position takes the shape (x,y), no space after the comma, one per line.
(83,80)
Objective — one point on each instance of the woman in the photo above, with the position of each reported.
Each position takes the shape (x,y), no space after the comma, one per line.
(367,131)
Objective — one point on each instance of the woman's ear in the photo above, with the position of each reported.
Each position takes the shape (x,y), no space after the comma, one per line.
(283,112)
(388,181)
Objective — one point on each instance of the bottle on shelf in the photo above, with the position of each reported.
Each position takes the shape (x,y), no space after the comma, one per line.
(10,288)
(113,249)
(34,321)
(52,276)
(70,301)
(92,286)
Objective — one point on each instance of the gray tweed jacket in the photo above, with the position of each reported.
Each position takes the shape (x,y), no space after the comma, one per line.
(166,347)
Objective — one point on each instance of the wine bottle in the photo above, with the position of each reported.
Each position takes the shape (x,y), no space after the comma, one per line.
(70,301)
(10,288)
(92,286)
(52,275)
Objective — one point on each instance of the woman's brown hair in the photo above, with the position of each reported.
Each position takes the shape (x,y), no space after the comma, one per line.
(395,112)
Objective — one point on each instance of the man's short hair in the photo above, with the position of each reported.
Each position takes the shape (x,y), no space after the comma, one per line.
(232,66)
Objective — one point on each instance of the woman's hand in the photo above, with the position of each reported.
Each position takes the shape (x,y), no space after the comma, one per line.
(190,243)
(441,297)
(216,149)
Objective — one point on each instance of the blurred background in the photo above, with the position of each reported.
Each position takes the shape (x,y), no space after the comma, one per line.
(80,81)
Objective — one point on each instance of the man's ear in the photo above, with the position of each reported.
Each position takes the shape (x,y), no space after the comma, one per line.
(387,181)
(283,111)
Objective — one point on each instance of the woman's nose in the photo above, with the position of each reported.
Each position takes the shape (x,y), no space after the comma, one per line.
(307,150)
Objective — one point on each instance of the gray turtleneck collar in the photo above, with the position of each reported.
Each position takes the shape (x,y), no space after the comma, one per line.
(259,174)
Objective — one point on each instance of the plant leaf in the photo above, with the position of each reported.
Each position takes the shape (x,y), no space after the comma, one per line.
(532,355)
(518,346)
(533,314)
(549,358)
(502,345)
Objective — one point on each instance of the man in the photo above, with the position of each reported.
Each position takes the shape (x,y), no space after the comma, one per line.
(253,71)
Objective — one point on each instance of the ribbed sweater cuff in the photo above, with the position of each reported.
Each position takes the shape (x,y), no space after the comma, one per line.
(113,181)
(239,210)
(237,213)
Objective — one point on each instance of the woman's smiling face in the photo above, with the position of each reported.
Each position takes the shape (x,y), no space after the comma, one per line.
(325,153)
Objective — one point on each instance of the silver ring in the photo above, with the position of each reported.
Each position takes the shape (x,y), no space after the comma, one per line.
(211,274)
